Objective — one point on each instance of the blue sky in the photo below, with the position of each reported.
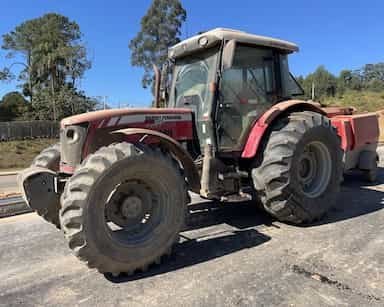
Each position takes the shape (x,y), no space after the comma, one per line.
(338,33)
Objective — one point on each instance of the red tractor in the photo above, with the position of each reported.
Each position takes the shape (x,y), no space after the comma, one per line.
(117,185)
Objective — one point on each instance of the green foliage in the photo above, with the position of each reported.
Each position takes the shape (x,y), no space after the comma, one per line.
(363,100)
(324,81)
(13,106)
(362,88)
(5,74)
(160,29)
(54,59)
(65,101)
(373,72)
(348,80)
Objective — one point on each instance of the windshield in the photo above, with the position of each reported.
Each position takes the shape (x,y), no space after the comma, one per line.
(191,78)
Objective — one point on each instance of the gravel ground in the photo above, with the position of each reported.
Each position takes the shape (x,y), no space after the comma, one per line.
(231,255)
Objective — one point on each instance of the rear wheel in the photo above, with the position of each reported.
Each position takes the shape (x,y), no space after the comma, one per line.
(124,208)
(371,175)
(49,158)
(300,172)
(370,169)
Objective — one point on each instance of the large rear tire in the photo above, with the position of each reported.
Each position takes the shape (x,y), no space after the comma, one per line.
(49,158)
(299,176)
(124,208)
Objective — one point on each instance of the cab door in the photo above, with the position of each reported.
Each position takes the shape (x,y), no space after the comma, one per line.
(247,89)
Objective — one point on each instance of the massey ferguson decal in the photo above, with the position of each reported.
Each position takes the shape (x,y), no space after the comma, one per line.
(147,118)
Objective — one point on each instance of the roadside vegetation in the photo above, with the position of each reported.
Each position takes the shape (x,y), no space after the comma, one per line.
(16,155)
(363,101)
(361,88)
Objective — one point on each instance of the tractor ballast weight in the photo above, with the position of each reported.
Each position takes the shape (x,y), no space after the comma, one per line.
(117,185)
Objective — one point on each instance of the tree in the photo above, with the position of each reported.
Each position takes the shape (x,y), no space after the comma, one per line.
(5,74)
(375,85)
(373,72)
(160,29)
(324,82)
(69,101)
(349,80)
(53,55)
(12,106)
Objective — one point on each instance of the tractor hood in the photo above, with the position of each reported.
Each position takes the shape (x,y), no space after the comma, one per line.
(105,117)
(85,133)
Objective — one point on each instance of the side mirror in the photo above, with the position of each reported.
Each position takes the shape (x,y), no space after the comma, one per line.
(229,54)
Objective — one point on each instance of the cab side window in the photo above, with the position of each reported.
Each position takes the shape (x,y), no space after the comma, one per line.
(247,89)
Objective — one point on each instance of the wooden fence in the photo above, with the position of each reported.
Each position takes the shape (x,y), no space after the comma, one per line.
(28,130)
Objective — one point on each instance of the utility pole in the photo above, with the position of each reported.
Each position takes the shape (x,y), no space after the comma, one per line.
(313,91)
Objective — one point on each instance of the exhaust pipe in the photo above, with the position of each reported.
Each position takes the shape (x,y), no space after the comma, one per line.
(157,86)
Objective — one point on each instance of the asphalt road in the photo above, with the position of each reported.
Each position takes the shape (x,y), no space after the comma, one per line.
(231,255)
(8,184)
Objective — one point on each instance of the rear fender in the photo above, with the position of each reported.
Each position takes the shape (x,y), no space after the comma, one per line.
(269,117)
(172,146)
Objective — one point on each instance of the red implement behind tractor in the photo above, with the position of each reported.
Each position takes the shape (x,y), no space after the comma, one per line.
(117,185)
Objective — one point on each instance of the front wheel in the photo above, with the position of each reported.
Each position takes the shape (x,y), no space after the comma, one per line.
(298,178)
(124,208)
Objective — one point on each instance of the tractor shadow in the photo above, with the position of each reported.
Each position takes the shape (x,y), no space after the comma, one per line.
(202,241)
(217,229)
(357,198)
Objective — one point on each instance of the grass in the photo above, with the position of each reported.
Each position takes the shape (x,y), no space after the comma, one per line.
(16,155)
(364,101)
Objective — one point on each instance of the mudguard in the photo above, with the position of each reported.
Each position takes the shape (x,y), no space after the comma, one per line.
(261,126)
(175,148)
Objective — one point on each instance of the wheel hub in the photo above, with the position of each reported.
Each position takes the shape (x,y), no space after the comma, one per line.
(314,169)
(131,207)
(307,167)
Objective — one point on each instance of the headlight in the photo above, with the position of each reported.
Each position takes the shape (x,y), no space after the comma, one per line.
(72,136)
(203,41)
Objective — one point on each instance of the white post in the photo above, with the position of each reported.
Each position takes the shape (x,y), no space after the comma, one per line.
(313,91)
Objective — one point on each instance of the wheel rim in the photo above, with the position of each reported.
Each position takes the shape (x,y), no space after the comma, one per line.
(133,211)
(314,169)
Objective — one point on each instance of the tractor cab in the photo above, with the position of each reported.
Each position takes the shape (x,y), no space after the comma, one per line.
(229,78)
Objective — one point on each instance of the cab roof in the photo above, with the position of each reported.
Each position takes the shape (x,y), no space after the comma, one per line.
(215,36)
